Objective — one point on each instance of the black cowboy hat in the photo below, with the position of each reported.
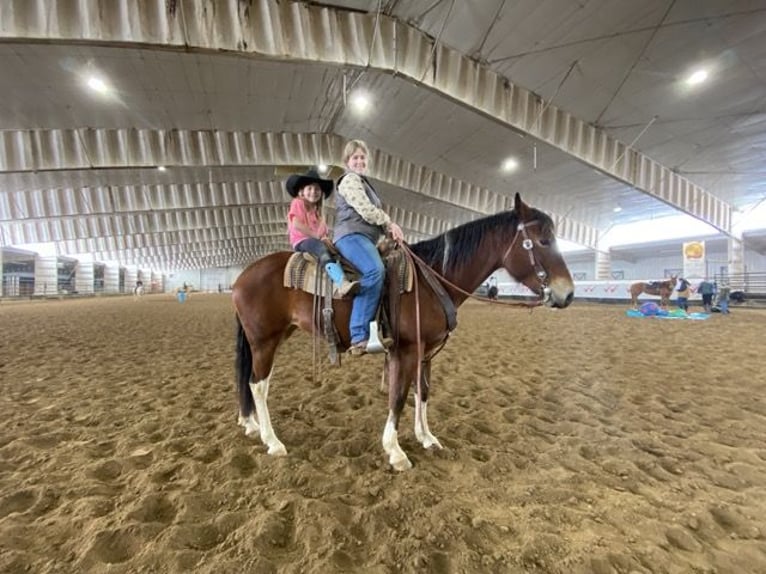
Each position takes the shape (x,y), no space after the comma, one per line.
(297,182)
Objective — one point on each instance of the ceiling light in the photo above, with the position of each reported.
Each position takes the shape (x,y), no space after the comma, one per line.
(617,209)
(97,84)
(360,101)
(510,164)
(161,168)
(322,168)
(697,77)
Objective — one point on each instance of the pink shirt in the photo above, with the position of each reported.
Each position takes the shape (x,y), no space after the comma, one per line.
(309,219)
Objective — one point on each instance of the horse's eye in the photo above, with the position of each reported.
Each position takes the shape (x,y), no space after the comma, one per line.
(546,242)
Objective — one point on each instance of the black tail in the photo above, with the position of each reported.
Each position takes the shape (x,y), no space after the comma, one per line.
(243,364)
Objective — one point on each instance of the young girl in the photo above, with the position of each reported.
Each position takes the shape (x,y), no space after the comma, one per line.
(307,229)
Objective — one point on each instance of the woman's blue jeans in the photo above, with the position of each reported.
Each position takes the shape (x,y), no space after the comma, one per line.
(363,254)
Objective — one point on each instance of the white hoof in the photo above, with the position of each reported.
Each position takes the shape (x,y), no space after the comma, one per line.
(277,449)
(432,442)
(251,427)
(400,464)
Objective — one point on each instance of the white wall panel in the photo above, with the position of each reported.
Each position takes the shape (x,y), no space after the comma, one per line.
(46,275)
(83,279)
(111,277)
(131,276)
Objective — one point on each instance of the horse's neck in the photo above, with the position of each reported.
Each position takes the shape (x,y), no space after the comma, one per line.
(470,275)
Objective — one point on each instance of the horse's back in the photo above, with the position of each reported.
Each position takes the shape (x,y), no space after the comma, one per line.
(266,306)
(262,276)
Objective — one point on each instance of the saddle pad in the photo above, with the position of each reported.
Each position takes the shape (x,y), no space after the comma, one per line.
(301,269)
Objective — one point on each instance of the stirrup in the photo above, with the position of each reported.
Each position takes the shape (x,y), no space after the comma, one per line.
(374,344)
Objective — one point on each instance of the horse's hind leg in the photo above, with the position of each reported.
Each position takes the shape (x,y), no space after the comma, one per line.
(260,391)
(422,433)
(263,361)
(244,368)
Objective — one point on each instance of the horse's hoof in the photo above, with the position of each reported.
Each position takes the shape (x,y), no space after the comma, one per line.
(401,464)
(277,450)
(432,443)
(251,427)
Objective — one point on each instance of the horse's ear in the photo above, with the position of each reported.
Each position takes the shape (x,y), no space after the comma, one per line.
(520,207)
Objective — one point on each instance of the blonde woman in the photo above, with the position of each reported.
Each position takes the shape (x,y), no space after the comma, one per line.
(359,223)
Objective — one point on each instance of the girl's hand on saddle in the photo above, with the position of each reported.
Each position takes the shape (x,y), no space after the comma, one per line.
(395,232)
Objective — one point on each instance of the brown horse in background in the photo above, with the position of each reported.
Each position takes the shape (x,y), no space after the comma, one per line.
(521,241)
(662,289)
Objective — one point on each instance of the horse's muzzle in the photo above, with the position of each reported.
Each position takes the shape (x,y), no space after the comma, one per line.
(558,296)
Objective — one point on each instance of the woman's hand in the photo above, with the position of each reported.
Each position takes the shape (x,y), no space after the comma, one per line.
(395,232)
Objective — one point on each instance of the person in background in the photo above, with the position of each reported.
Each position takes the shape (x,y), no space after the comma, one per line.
(706,289)
(307,229)
(359,224)
(493,290)
(723,298)
(683,294)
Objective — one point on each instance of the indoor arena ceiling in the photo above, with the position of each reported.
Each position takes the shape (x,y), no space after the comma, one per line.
(591,98)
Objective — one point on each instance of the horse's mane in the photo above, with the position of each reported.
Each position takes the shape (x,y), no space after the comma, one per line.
(463,242)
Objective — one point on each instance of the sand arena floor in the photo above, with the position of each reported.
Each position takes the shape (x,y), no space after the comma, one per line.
(576,441)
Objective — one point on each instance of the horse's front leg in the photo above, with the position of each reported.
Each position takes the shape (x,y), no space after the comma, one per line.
(260,391)
(400,374)
(422,433)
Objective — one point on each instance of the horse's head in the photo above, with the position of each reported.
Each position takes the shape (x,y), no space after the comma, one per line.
(534,259)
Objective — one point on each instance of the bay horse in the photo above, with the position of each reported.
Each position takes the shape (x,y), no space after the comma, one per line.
(521,241)
(662,289)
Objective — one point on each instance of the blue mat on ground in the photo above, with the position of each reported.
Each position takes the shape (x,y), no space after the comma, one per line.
(653,310)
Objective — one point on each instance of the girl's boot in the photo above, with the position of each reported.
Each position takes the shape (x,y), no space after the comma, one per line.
(343,285)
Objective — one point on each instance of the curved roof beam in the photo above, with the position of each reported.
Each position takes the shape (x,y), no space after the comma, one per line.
(43,150)
(286,31)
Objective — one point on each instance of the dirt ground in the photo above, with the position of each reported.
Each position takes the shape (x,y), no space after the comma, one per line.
(576,441)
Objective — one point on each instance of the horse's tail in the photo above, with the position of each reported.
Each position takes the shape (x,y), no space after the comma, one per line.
(244,367)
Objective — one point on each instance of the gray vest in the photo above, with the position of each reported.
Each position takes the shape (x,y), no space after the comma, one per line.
(348,221)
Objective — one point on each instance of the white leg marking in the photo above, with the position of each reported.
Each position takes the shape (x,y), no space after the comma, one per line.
(396,456)
(260,391)
(422,433)
(250,424)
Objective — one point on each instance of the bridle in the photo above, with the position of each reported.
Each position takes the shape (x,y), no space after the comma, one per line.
(529,246)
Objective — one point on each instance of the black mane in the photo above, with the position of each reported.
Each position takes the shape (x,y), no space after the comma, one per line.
(464,240)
